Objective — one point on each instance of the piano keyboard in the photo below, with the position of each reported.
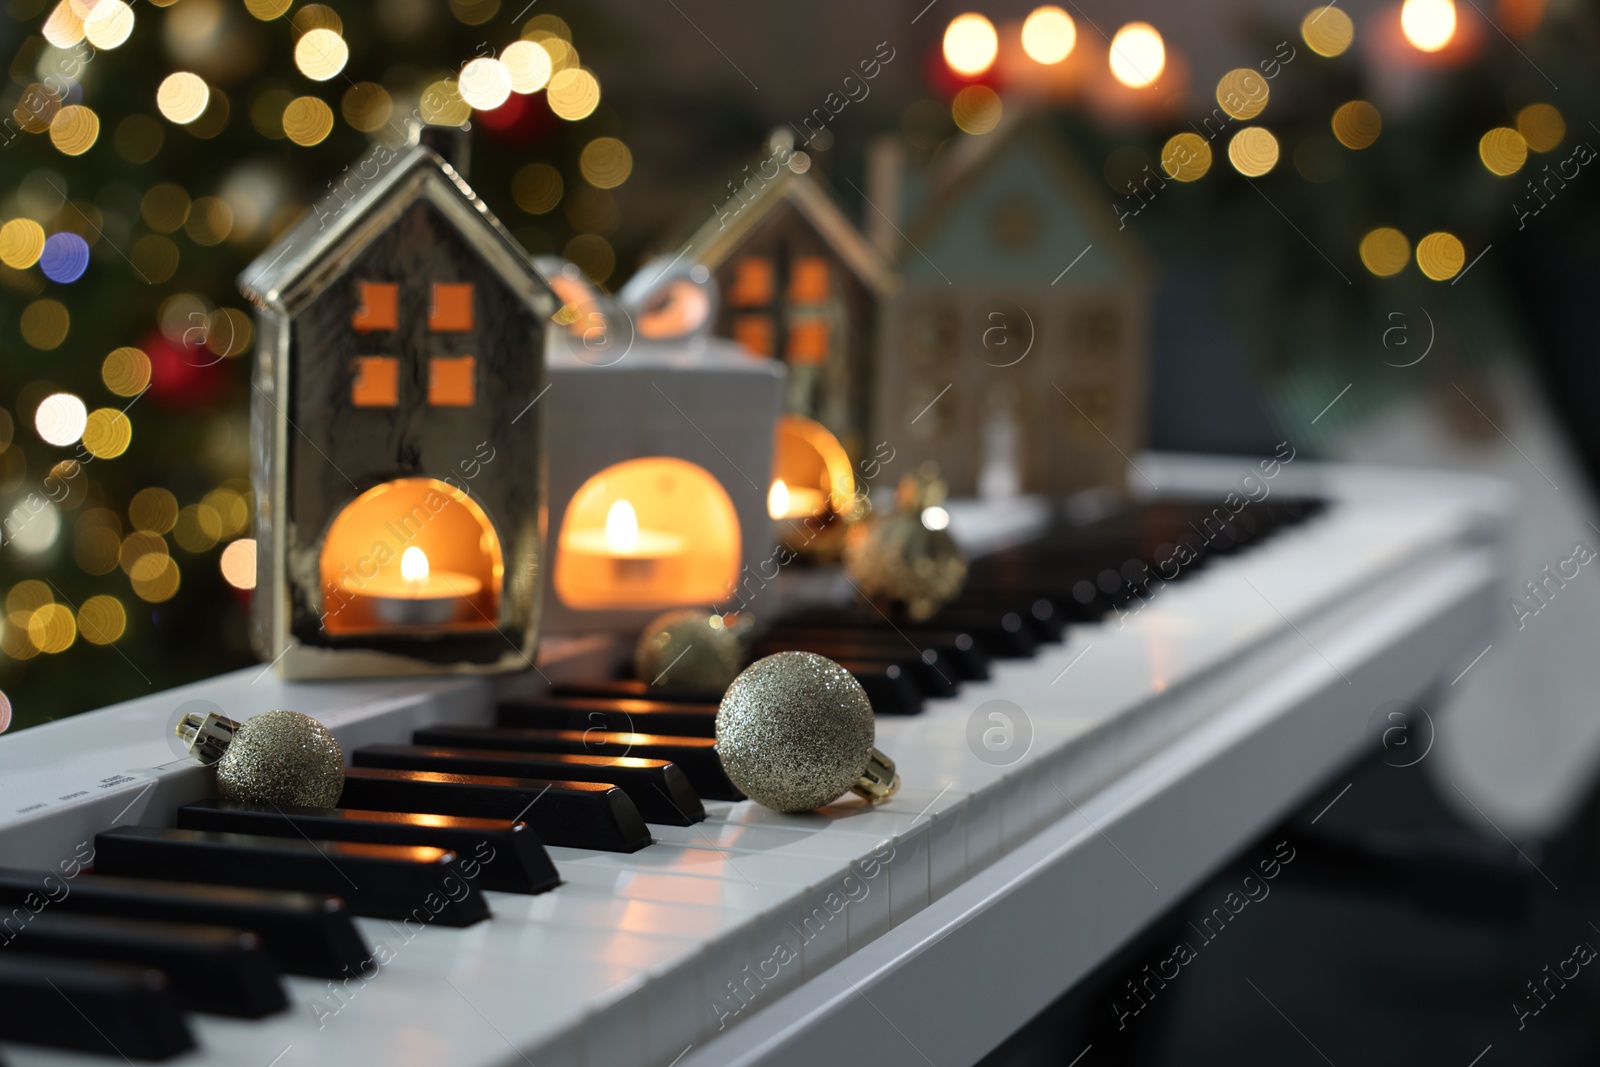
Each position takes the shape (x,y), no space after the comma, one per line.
(568,877)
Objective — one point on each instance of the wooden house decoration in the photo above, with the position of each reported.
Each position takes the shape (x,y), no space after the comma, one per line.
(1014,352)
(397,443)
(660,441)
(799,284)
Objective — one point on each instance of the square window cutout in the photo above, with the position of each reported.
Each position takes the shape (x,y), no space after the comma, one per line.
(377,306)
(450,381)
(377,382)
(451,310)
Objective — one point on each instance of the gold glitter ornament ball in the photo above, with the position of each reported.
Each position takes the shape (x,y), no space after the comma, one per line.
(907,562)
(689,648)
(795,731)
(282,757)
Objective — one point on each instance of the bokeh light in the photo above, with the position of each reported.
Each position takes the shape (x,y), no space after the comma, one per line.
(1503,151)
(317,17)
(1242,93)
(154,510)
(529,66)
(1186,157)
(307,120)
(1138,55)
(976,109)
(267,10)
(1253,151)
(1049,35)
(102,620)
(107,433)
(1328,31)
(321,54)
(139,138)
(536,188)
(593,254)
(59,419)
(52,628)
(366,106)
(573,94)
(74,130)
(109,23)
(1542,126)
(970,44)
(443,105)
(44,324)
(126,371)
(1440,256)
(1357,124)
(1428,24)
(605,162)
(155,577)
(21,243)
(65,257)
(198,529)
(238,563)
(64,27)
(182,97)
(485,83)
(154,258)
(1385,251)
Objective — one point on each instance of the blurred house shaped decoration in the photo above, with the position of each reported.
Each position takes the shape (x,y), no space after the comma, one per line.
(1014,351)
(799,284)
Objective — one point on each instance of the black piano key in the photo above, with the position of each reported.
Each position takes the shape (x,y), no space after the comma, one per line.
(1049,622)
(615,688)
(1002,634)
(695,756)
(619,714)
(657,788)
(217,969)
(931,676)
(592,815)
(381,881)
(890,688)
(513,859)
(305,933)
(113,1009)
(966,658)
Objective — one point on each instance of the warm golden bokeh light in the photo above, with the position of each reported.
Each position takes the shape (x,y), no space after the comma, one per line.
(1138,55)
(529,66)
(321,54)
(1503,151)
(154,258)
(267,10)
(238,563)
(52,628)
(317,17)
(1242,93)
(102,620)
(107,433)
(443,105)
(126,371)
(74,129)
(1186,157)
(182,97)
(366,106)
(1049,35)
(1253,151)
(1542,126)
(154,510)
(593,254)
(1428,24)
(138,138)
(605,162)
(573,94)
(970,44)
(1328,31)
(109,23)
(536,188)
(59,419)
(164,207)
(155,577)
(44,324)
(976,109)
(21,242)
(210,221)
(1440,256)
(1385,251)
(64,27)
(199,528)
(307,120)
(1357,124)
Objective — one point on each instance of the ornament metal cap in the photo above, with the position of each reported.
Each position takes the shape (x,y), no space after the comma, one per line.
(206,737)
(880,780)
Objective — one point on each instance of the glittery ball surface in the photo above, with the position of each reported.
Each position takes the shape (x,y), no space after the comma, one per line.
(795,731)
(282,757)
(682,648)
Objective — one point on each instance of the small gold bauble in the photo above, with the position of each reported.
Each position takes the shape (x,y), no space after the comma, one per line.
(795,731)
(690,648)
(282,757)
(905,562)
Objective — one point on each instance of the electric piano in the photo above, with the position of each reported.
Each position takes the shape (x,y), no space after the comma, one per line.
(552,869)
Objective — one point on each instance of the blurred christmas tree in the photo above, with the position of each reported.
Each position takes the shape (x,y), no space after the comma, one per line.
(150,152)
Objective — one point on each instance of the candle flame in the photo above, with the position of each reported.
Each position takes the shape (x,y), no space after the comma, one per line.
(778,499)
(414,565)
(622,527)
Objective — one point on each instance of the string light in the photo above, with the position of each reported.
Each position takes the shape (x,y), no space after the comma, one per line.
(65,257)
(59,419)
(21,243)
(573,94)
(102,620)
(605,162)
(970,44)
(537,188)
(109,23)
(1440,256)
(1253,151)
(1503,151)
(1428,24)
(1049,35)
(1328,31)
(1186,157)
(321,54)
(238,563)
(182,97)
(485,83)
(1138,55)
(1385,251)
(1357,124)
(1242,93)
(307,120)
(976,109)
(529,66)
(1541,126)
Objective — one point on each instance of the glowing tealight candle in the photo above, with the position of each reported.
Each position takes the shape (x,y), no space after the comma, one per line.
(633,550)
(421,596)
(622,529)
(799,502)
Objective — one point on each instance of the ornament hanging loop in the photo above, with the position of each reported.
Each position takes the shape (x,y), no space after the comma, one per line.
(879,781)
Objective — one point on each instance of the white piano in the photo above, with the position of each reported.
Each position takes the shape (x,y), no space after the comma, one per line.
(1143,752)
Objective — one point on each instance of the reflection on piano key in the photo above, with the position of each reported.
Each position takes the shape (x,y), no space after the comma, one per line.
(517,860)
(579,814)
(621,714)
(384,881)
(213,968)
(305,933)
(657,788)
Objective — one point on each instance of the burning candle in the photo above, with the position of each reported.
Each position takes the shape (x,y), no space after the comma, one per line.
(420,596)
(633,552)
(796,503)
